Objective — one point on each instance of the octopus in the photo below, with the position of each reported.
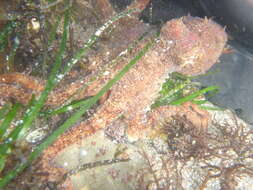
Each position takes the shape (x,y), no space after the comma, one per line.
(188,45)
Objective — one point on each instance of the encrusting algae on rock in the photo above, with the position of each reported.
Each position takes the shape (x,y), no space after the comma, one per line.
(188,45)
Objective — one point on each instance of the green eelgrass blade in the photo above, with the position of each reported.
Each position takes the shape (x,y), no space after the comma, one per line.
(65,108)
(10,26)
(4,110)
(172,89)
(100,73)
(83,50)
(2,162)
(32,113)
(76,104)
(8,119)
(194,95)
(10,62)
(90,42)
(93,39)
(51,38)
(52,34)
(73,119)
(199,102)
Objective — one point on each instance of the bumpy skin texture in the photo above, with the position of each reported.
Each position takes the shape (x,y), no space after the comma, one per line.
(188,45)
(197,43)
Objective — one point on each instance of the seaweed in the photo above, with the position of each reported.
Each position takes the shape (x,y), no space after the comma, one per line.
(10,139)
(179,88)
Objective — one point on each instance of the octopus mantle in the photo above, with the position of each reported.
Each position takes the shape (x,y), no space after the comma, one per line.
(188,45)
